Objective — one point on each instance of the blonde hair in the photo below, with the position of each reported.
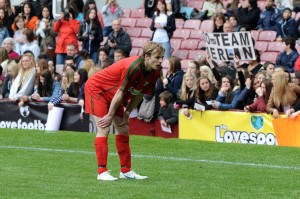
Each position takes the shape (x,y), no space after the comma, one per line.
(22,70)
(70,77)
(210,74)
(184,95)
(281,89)
(153,48)
(93,71)
(13,66)
(88,64)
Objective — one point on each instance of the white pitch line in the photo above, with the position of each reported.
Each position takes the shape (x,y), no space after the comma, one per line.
(158,157)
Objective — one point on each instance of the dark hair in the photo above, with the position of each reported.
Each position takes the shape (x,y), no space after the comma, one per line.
(46,89)
(27,51)
(157,10)
(86,7)
(29,35)
(297,74)
(229,95)
(71,9)
(69,58)
(266,64)
(4,20)
(103,50)
(286,9)
(290,41)
(42,56)
(32,13)
(221,16)
(167,96)
(234,6)
(96,24)
(50,12)
(268,84)
(83,78)
(201,95)
(257,53)
(253,3)
(84,54)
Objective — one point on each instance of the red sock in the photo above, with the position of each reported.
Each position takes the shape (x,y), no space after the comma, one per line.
(122,143)
(101,153)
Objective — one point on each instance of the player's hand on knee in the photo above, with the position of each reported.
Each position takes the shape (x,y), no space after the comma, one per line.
(105,121)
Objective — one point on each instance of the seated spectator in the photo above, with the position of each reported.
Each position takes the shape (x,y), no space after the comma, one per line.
(206,93)
(227,96)
(186,95)
(103,58)
(18,33)
(88,64)
(228,27)
(9,45)
(194,67)
(288,57)
(69,64)
(118,55)
(286,26)
(163,25)
(52,68)
(41,65)
(230,8)
(30,18)
(219,21)
(248,16)
(269,17)
(167,113)
(24,82)
(260,77)
(30,44)
(263,92)
(233,20)
(72,51)
(12,73)
(118,39)
(173,80)
(269,69)
(296,77)
(205,71)
(4,58)
(211,8)
(253,66)
(283,95)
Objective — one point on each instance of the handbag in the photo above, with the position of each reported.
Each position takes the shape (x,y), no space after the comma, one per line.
(146,110)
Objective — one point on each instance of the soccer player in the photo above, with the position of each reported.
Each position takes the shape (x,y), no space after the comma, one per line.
(105,92)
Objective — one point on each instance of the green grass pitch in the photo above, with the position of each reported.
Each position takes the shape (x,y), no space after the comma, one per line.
(35,164)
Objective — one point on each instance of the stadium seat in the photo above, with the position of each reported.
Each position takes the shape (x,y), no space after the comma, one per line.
(268,56)
(207,25)
(261,46)
(196,34)
(175,43)
(267,35)
(195,53)
(138,13)
(297,16)
(190,44)
(104,41)
(181,34)
(275,46)
(201,44)
(126,14)
(261,5)
(134,32)
(139,42)
(195,4)
(192,24)
(143,22)
(184,64)
(181,54)
(164,64)
(146,33)
(255,34)
(136,52)
(128,22)
(179,23)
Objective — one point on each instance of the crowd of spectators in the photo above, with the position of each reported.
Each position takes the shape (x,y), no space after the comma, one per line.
(34,43)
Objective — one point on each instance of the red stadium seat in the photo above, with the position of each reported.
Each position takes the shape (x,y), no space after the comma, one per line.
(181,54)
(179,23)
(297,16)
(268,56)
(146,33)
(126,14)
(139,42)
(207,25)
(143,22)
(138,13)
(136,52)
(255,34)
(201,44)
(195,53)
(184,64)
(175,43)
(196,34)
(190,44)
(275,46)
(195,4)
(261,46)
(261,5)
(192,24)
(267,35)
(104,41)
(134,32)
(128,22)
(181,34)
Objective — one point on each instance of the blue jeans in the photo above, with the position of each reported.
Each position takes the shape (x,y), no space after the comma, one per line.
(60,58)
(94,57)
(107,30)
(167,47)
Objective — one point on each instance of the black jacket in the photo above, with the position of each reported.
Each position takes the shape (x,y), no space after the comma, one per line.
(123,42)
(94,45)
(170,28)
(248,18)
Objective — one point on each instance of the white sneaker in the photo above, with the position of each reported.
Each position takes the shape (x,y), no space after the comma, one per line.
(132,175)
(106,176)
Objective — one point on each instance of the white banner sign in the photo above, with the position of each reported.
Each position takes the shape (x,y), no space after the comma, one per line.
(225,46)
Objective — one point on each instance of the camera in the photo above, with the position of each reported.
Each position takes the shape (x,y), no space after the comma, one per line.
(112,39)
(66,14)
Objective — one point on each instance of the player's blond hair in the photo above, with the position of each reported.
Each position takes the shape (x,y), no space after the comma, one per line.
(153,48)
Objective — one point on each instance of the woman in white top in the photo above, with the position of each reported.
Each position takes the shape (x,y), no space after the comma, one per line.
(163,25)
(30,44)
(24,82)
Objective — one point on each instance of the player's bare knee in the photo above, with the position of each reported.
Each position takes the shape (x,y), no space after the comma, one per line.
(103,132)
